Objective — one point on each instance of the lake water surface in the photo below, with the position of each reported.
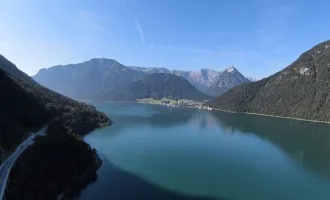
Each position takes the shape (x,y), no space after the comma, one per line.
(156,152)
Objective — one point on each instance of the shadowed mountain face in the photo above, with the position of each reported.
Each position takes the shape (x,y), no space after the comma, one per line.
(20,111)
(300,90)
(156,86)
(88,78)
(28,105)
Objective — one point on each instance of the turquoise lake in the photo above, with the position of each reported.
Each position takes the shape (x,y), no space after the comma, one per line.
(157,152)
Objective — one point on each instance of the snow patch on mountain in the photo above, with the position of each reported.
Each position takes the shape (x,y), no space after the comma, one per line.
(230,69)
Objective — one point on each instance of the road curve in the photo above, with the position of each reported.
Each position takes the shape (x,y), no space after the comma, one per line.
(7,165)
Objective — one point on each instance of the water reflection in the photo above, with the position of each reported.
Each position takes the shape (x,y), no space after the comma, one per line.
(121,185)
(212,154)
(308,143)
(124,116)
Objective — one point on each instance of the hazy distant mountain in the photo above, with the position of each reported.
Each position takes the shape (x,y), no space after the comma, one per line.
(300,90)
(251,79)
(151,70)
(209,81)
(226,80)
(157,86)
(88,78)
(201,79)
(98,75)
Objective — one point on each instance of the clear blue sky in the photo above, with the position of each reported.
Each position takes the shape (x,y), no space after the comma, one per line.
(259,37)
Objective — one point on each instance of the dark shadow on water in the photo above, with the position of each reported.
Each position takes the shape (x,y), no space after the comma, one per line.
(116,184)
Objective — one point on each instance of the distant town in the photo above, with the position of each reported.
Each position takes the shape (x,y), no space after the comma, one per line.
(176,103)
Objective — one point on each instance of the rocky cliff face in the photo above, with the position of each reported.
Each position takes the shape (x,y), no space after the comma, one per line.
(200,79)
(225,80)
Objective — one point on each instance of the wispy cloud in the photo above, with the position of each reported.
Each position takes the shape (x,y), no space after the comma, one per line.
(91,22)
(140,30)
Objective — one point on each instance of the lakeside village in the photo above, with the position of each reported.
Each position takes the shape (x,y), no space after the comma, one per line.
(177,103)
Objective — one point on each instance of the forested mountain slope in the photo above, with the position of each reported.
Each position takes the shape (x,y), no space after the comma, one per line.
(157,86)
(70,162)
(19,112)
(26,105)
(301,90)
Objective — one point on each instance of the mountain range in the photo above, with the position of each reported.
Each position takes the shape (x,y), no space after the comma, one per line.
(200,79)
(87,79)
(301,90)
(156,86)
(207,80)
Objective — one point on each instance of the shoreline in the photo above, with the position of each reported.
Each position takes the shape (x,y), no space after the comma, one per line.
(248,113)
(234,112)
(274,116)
(105,124)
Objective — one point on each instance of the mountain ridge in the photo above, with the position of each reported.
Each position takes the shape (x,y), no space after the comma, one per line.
(87,78)
(227,79)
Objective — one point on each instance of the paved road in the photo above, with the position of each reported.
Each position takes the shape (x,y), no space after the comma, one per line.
(6,166)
